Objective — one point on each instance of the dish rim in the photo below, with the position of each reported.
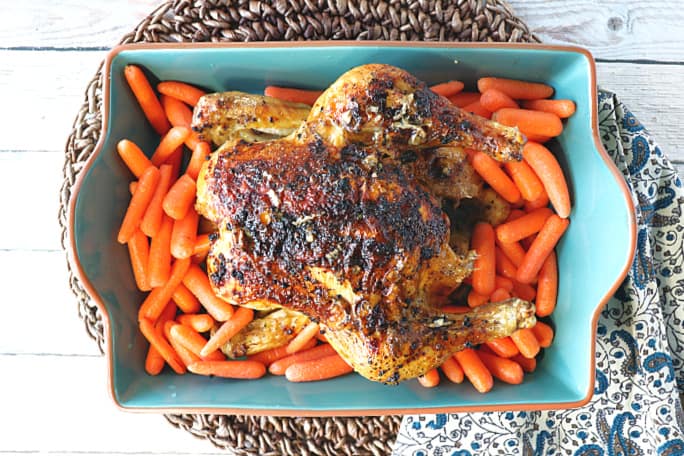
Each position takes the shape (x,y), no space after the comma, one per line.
(102,307)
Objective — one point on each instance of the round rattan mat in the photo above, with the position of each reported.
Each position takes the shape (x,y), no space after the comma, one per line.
(278,20)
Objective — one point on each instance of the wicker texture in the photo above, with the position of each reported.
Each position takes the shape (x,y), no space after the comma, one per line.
(242,20)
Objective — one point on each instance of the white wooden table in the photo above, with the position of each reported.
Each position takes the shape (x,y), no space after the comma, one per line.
(53,397)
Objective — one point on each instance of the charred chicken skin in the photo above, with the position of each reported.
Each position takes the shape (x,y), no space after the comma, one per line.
(338,221)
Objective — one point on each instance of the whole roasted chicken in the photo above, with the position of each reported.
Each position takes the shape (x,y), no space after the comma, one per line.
(342,219)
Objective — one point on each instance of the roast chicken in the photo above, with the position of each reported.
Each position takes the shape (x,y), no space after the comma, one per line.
(342,220)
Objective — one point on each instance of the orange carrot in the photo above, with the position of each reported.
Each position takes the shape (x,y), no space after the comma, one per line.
(138,253)
(133,157)
(241,318)
(547,286)
(503,346)
(545,165)
(194,341)
(180,115)
(484,271)
(202,244)
(477,109)
(242,369)
(504,369)
(494,99)
(561,108)
(154,363)
(274,354)
(295,95)
(526,342)
(198,283)
(199,155)
(490,171)
(132,186)
(541,248)
(186,301)
(175,160)
(499,295)
(181,91)
(543,333)
(512,250)
(515,214)
(147,99)
(528,122)
(305,335)
(175,137)
(452,370)
(151,221)
(184,354)
(159,261)
(463,99)
(138,204)
(280,366)
(528,364)
(448,89)
(476,299)
(537,138)
(475,370)
(156,301)
(542,201)
(180,197)
(525,179)
(519,90)
(318,369)
(503,283)
(429,379)
(199,322)
(524,226)
(523,291)
(504,266)
(156,339)
(184,235)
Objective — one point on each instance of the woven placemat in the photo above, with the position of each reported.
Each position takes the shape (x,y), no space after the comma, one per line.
(183,20)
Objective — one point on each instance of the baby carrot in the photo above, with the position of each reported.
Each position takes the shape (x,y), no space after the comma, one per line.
(519,90)
(181,91)
(541,248)
(199,322)
(175,137)
(452,370)
(545,165)
(138,253)
(476,108)
(159,261)
(198,283)
(525,179)
(132,186)
(537,138)
(484,271)
(280,366)
(147,99)
(476,299)
(184,235)
(199,155)
(180,115)
(504,266)
(306,334)
(524,226)
(542,201)
(447,89)
(154,303)
(156,339)
(154,363)
(186,301)
(241,318)
(138,204)
(527,364)
(475,370)
(494,99)
(504,369)
(503,283)
(499,295)
(523,291)
(294,95)
(547,286)
(318,369)
(515,214)
(269,356)
(526,342)
(193,341)
(184,354)
(489,169)
(202,244)
(180,197)
(528,122)
(151,221)
(133,157)
(561,108)
(242,369)
(429,379)
(503,347)
(543,333)
(463,99)
(512,250)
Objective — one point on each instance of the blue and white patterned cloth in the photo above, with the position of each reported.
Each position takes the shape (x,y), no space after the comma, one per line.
(636,407)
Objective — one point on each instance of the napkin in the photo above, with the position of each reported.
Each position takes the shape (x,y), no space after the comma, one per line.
(636,408)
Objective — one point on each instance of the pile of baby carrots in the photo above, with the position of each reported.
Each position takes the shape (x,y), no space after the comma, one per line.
(186,324)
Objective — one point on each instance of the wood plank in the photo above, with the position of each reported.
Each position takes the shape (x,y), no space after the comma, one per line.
(615,29)
(68,400)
